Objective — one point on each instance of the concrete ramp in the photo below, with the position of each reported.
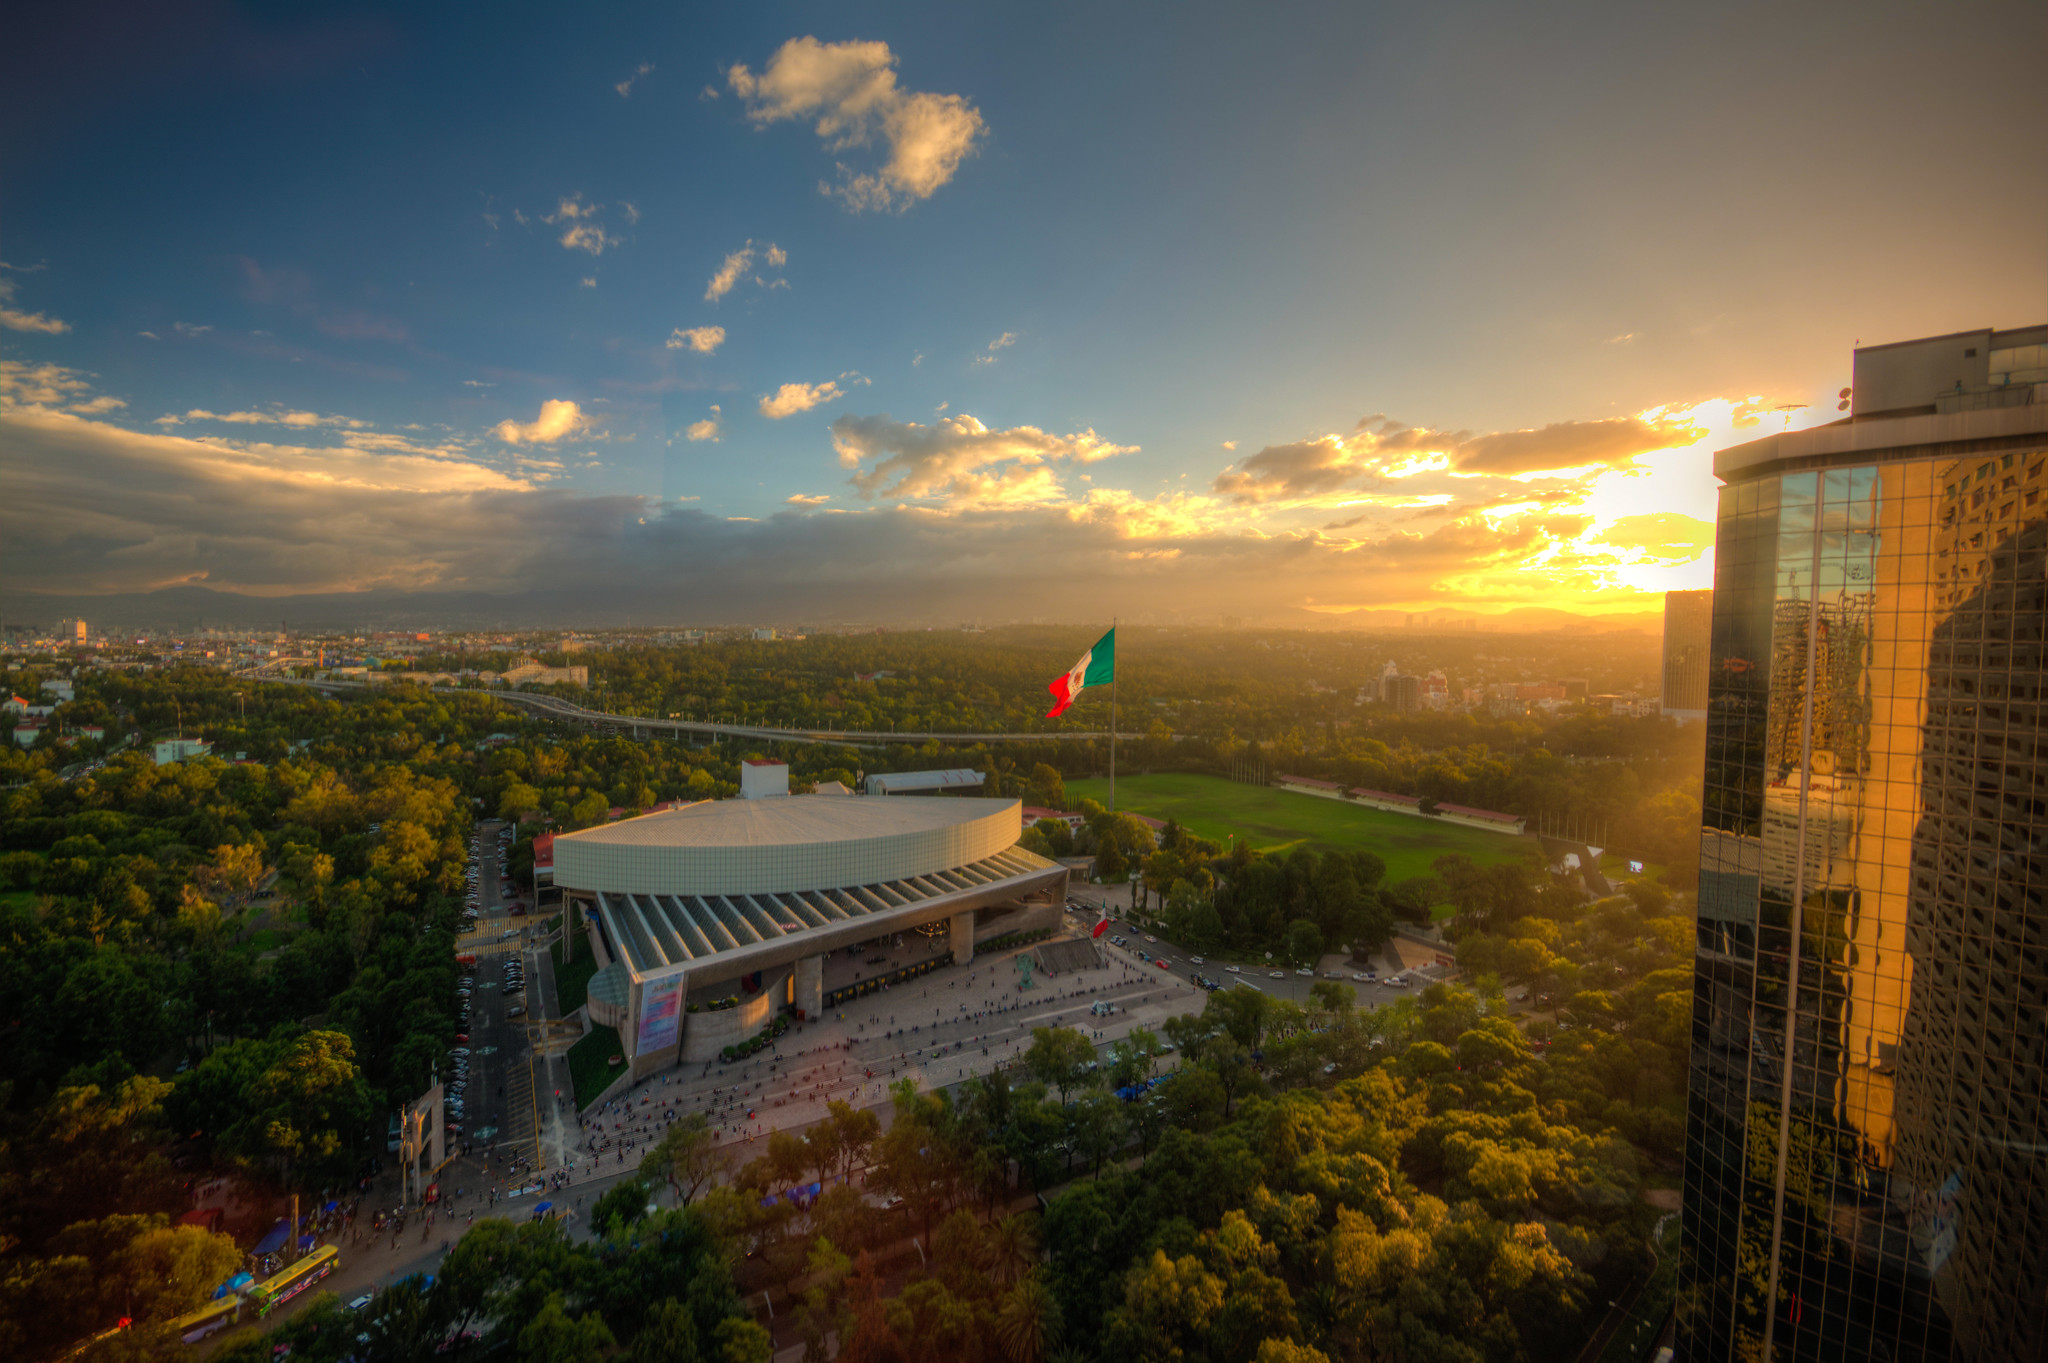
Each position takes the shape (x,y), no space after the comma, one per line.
(1057,958)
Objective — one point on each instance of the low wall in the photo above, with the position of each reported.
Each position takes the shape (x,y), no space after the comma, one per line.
(706,1034)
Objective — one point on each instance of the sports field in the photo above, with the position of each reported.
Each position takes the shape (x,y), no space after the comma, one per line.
(1281,820)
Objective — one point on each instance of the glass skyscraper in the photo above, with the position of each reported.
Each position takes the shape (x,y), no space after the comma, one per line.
(1867,1146)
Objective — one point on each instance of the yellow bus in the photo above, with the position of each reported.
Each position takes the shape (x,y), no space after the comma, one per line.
(294,1279)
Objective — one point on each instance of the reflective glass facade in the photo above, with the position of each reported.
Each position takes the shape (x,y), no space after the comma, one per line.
(1867,1170)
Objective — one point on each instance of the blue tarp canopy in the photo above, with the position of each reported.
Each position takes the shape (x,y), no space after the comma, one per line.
(274,1238)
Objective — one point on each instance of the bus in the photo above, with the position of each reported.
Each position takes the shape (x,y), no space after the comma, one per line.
(295,1279)
(214,1316)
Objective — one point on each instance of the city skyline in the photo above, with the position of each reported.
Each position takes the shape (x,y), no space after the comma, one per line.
(815,318)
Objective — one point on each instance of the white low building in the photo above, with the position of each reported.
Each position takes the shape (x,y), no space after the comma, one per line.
(693,908)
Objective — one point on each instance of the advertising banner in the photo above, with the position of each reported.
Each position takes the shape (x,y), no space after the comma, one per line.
(661,1014)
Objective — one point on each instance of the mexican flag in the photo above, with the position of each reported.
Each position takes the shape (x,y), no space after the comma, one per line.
(1096,668)
(1102,926)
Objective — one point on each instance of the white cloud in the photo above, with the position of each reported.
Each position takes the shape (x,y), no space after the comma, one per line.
(703,340)
(558,418)
(850,90)
(736,264)
(707,429)
(302,420)
(960,459)
(477,383)
(38,385)
(739,264)
(14,319)
(801,500)
(792,398)
(631,209)
(150,334)
(583,233)
(589,281)
(587,237)
(1230,444)
(98,405)
(191,328)
(1004,341)
(625,87)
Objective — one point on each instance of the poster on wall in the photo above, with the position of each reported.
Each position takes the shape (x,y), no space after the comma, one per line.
(661,1010)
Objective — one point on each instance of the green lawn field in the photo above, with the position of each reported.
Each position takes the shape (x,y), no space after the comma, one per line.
(1281,820)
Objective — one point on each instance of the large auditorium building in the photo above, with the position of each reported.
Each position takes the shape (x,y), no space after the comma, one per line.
(690,909)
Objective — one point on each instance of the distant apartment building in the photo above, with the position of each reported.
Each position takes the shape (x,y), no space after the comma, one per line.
(1688,631)
(524,670)
(169,750)
(1402,693)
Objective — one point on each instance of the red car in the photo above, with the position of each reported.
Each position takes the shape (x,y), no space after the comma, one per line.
(1161,963)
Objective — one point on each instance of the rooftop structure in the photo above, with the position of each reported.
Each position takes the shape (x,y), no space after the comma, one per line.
(914,782)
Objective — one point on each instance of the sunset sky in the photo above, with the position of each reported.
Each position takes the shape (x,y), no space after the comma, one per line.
(809,312)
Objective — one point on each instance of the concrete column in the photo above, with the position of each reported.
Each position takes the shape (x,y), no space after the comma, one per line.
(807,985)
(963,937)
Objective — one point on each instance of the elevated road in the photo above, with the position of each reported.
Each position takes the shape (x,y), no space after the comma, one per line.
(554,707)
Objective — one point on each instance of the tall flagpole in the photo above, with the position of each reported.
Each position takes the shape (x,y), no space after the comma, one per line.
(1112,716)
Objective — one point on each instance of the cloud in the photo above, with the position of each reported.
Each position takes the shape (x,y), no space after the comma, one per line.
(850,90)
(1663,534)
(558,418)
(582,233)
(1572,444)
(984,527)
(1380,449)
(587,237)
(191,328)
(92,508)
(703,340)
(1626,338)
(631,210)
(792,398)
(302,420)
(589,281)
(98,405)
(1303,468)
(477,383)
(801,500)
(14,319)
(1230,444)
(736,264)
(38,385)
(959,458)
(739,264)
(707,429)
(625,87)
(1002,342)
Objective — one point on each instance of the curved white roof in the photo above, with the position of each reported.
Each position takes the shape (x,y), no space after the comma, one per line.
(785,844)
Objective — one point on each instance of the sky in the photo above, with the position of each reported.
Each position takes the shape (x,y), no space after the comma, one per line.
(899,312)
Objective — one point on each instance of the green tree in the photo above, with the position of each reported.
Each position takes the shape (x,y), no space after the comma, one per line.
(554,1336)
(1059,1058)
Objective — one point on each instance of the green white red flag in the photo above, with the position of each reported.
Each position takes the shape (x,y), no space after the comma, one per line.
(1096,668)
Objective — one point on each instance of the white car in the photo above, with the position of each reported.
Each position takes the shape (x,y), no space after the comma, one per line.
(1277,975)
(1306,971)
(1359,978)
(1150,938)
(1196,960)
(1232,970)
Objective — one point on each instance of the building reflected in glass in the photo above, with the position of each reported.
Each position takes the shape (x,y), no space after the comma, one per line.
(1867,1165)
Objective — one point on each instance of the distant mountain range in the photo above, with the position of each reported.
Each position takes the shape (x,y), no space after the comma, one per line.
(637,605)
